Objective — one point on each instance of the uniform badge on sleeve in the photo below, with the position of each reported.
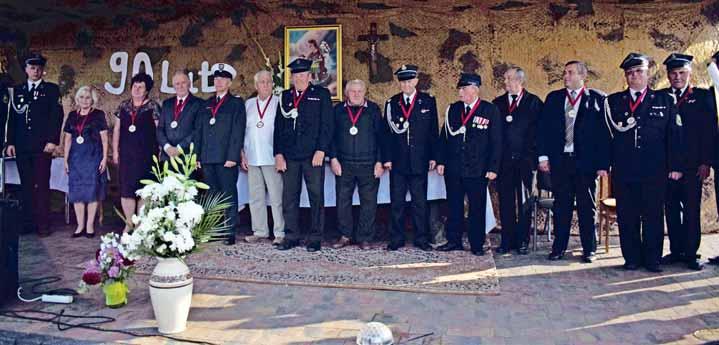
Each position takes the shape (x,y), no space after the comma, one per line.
(679,120)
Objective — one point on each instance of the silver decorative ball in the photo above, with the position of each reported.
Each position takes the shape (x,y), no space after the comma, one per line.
(375,333)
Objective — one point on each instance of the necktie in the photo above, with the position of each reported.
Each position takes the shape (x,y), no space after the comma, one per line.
(32,88)
(179,104)
(569,121)
(467,109)
(406,100)
(514,98)
(637,95)
(677,93)
(217,101)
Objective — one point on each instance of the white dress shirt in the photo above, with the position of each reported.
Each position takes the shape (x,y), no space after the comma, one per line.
(31,83)
(258,141)
(569,147)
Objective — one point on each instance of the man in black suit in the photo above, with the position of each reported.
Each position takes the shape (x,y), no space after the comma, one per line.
(219,141)
(646,147)
(519,110)
(303,133)
(176,127)
(470,150)
(573,145)
(684,196)
(33,134)
(356,159)
(412,140)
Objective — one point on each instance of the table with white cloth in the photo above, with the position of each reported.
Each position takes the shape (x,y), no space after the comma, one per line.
(435,191)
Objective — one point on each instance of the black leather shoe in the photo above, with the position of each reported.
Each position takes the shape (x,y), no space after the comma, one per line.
(695,265)
(501,250)
(523,250)
(90,234)
(672,259)
(554,256)
(229,241)
(287,244)
(654,268)
(449,246)
(314,246)
(630,267)
(714,260)
(588,258)
(478,252)
(424,246)
(78,234)
(394,246)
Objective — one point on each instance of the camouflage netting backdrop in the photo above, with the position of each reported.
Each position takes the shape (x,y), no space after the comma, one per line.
(442,37)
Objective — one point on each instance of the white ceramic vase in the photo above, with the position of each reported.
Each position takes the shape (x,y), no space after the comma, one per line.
(171,294)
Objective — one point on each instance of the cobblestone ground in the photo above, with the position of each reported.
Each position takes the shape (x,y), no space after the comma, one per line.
(541,302)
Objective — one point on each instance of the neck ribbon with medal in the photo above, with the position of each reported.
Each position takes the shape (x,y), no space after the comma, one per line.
(406,114)
(684,97)
(631,120)
(571,112)
(354,118)
(261,113)
(177,111)
(216,108)
(513,106)
(133,117)
(80,126)
(294,112)
(464,118)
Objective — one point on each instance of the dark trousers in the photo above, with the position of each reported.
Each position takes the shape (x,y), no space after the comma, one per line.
(361,176)
(417,186)
(683,207)
(224,180)
(476,191)
(568,184)
(34,171)
(514,178)
(640,207)
(292,187)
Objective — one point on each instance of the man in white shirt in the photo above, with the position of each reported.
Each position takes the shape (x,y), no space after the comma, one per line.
(259,161)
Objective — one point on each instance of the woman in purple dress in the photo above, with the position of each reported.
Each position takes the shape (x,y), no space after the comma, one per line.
(134,142)
(86,146)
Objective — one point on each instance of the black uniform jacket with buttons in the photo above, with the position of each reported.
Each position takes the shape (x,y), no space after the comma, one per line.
(699,126)
(519,135)
(591,139)
(187,123)
(222,141)
(656,148)
(41,121)
(366,146)
(313,128)
(479,150)
(412,157)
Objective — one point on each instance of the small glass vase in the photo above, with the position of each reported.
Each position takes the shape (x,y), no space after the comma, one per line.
(115,294)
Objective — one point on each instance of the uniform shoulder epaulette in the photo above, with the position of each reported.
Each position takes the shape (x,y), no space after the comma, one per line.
(597,91)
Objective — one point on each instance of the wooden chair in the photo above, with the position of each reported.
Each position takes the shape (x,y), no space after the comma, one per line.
(606,210)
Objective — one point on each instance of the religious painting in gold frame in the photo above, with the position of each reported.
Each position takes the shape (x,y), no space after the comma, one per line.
(323,45)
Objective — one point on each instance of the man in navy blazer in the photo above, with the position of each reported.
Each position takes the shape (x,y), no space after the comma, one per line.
(573,145)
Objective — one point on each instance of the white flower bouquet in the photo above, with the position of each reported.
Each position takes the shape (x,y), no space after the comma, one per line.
(174,219)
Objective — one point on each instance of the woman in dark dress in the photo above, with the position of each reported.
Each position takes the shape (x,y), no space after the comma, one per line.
(86,146)
(134,142)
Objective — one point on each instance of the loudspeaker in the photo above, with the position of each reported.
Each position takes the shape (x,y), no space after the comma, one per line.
(9,226)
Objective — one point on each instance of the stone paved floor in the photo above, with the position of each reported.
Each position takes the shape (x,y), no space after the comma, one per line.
(541,302)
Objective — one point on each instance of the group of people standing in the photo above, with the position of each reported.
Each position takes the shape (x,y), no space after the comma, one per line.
(657,144)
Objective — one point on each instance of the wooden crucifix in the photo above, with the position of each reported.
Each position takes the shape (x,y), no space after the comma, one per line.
(372,39)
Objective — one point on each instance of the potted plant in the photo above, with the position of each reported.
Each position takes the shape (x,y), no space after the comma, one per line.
(111,268)
(172,222)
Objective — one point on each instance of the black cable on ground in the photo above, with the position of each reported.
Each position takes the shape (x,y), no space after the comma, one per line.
(56,318)
(45,281)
